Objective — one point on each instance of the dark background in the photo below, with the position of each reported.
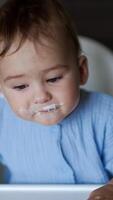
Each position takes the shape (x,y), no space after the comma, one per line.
(93,18)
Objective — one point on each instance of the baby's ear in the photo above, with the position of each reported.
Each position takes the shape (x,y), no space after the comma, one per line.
(83,69)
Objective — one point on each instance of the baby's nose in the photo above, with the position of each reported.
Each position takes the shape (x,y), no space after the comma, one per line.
(41,100)
(41,94)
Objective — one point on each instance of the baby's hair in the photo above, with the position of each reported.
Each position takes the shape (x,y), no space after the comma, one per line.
(29,19)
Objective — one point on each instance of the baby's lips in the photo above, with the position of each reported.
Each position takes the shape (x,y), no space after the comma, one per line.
(35,109)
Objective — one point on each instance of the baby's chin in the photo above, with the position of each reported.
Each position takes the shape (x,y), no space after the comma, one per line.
(44,122)
(47,123)
(47,120)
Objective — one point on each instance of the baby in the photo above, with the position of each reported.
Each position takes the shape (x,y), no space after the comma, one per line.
(51,131)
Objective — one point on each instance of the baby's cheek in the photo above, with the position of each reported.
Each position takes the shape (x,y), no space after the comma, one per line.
(22,112)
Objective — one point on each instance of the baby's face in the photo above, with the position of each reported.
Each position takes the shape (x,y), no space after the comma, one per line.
(41,82)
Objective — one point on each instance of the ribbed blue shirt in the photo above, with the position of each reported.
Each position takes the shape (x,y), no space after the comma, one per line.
(79,149)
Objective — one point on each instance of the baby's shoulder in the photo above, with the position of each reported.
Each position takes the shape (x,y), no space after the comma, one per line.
(96,98)
(97,102)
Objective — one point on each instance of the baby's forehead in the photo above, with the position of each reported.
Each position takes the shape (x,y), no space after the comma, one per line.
(42,47)
(38,53)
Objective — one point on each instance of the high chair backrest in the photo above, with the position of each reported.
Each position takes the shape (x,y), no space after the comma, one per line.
(100,63)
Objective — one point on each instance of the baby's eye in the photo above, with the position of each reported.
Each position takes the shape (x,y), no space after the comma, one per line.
(55,79)
(20,87)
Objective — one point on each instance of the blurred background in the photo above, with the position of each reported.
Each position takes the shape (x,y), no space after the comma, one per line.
(93,18)
(94,22)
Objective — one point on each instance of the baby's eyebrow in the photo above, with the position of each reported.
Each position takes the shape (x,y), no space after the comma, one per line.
(59,66)
(13,77)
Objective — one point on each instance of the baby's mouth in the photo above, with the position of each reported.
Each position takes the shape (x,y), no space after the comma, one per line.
(45,109)
(36,110)
(51,107)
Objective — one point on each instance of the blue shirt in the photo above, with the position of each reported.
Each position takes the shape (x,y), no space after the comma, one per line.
(79,149)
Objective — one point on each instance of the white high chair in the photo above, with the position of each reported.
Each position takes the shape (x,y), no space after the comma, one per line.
(100,62)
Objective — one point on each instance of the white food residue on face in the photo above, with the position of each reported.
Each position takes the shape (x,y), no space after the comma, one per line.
(37,110)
